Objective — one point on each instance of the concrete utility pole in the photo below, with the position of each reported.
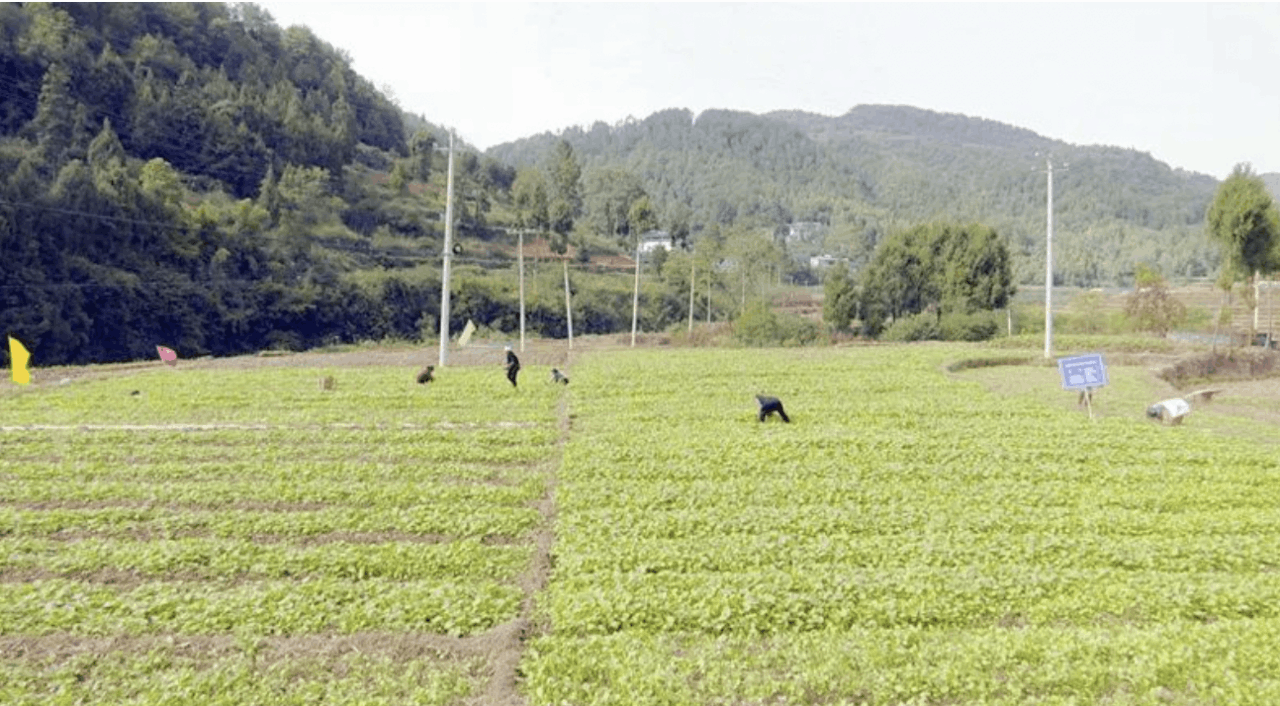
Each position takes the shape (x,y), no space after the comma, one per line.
(448,256)
(1048,271)
(568,302)
(635,297)
(520,255)
(708,297)
(693,278)
(1048,267)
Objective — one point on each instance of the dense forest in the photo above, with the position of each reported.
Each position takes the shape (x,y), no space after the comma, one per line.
(194,175)
(879,169)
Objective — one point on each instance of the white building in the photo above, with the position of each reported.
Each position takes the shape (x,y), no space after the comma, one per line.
(655,239)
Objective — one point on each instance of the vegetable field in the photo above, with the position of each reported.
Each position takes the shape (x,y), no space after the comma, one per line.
(914,536)
(245,536)
(910,538)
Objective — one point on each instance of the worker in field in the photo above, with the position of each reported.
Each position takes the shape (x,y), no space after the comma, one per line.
(513,366)
(426,375)
(769,405)
(1170,412)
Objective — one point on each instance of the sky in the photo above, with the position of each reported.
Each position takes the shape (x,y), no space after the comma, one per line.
(1196,85)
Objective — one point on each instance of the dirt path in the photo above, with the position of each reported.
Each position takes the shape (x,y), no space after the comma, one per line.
(506,643)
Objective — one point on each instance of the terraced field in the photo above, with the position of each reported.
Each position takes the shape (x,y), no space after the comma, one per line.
(915,536)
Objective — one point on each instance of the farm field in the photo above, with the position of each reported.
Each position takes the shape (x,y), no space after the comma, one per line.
(920,534)
(913,537)
(243,536)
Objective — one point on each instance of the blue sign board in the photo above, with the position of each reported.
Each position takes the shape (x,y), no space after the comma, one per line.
(1083,372)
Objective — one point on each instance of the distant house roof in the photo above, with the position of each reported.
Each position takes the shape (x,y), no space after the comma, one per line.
(655,239)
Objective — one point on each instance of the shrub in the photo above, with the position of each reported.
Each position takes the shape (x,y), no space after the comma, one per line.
(977,326)
(759,325)
(917,327)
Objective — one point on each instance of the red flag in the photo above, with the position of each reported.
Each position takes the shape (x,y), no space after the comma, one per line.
(167,355)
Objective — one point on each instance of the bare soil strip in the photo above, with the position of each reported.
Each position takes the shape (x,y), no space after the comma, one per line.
(507,641)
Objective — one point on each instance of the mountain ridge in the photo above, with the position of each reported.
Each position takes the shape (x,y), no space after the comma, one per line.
(881,167)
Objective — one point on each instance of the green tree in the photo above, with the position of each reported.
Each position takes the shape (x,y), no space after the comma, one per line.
(899,280)
(607,200)
(1244,222)
(529,195)
(1150,306)
(641,217)
(399,178)
(422,148)
(51,35)
(564,194)
(678,221)
(975,270)
(943,267)
(106,159)
(269,195)
(839,297)
(55,125)
(160,182)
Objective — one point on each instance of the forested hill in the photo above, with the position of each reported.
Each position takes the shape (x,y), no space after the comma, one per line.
(217,91)
(877,168)
(192,175)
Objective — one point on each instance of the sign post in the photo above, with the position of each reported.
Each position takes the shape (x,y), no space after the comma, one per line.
(1083,373)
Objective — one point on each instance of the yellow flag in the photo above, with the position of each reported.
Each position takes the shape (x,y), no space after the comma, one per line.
(18,357)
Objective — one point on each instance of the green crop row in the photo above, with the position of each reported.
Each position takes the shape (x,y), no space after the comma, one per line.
(249,676)
(836,596)
(271,607)
(1181,662)
(168,522)
(804,521)
(598,549)
(208,559)
(214,494)
(245,466)
(94,450)
(279,396)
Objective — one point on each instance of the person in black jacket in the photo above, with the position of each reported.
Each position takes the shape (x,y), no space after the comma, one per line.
(513,366)
(425,375)
(769,405)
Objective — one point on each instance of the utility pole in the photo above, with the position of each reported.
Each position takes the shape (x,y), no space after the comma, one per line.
(693,278)
(708,297)
(1048,267)
(448,256)
(635,297)
(568,303)
(520,257)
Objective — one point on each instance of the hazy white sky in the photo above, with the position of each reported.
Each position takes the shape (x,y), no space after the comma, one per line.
(1196,85)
